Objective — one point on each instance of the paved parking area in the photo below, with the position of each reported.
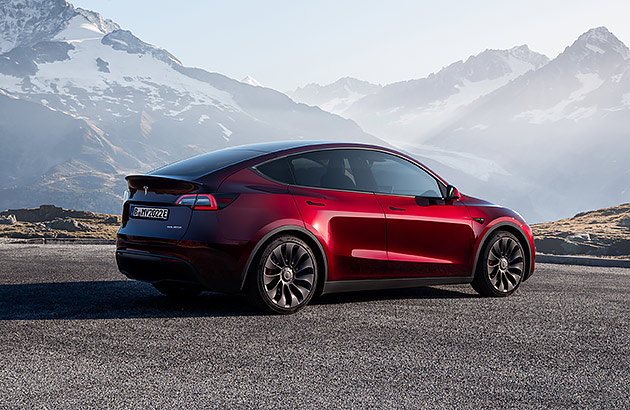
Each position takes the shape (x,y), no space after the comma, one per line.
(75,333)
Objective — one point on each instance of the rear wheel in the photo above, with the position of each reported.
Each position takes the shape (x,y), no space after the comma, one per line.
(284,278)
(501,267)
(176,290)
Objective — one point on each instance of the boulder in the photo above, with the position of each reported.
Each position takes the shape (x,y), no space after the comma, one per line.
(70,225)
(8,219)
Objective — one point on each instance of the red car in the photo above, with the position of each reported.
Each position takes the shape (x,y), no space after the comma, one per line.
(286,221)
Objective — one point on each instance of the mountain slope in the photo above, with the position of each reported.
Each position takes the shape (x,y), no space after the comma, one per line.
(564,129)
(136,99)
(335,97)
(414,110)
(50,156)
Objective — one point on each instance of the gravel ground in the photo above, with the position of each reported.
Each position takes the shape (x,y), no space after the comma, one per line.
(75,333)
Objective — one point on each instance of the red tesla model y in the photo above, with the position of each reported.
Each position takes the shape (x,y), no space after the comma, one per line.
(286,221)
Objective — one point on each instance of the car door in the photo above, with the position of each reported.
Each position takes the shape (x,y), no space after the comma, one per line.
(426,236)
(350,223)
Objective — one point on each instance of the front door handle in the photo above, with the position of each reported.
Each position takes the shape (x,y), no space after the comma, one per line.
(393,208)
(315,203)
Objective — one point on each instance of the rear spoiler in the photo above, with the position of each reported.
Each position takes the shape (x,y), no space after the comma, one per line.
(162,185)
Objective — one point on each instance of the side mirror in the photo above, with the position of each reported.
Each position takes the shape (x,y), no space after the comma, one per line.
(452,193)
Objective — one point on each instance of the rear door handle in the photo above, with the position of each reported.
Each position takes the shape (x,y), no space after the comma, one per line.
(396,209)
(315,203)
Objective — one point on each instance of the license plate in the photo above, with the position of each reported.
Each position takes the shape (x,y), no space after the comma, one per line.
(149,213)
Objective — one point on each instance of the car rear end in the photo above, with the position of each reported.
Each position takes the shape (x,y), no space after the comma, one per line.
(165,208)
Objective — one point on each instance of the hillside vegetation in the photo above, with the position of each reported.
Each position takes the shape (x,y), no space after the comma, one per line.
(604,232)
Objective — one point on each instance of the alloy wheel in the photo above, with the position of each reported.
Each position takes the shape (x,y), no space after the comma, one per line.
(505,264)
(288,277)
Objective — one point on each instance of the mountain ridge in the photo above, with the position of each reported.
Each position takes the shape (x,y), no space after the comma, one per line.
(335,97)
(108,94)
(526,141)
(568,128)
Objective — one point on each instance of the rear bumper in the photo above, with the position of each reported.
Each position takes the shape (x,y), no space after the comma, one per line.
(155,268)
(216,267)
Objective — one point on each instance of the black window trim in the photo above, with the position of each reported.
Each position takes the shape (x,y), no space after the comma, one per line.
(441,185)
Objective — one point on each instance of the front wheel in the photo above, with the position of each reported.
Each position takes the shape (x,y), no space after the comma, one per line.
(501,266)
(284,278)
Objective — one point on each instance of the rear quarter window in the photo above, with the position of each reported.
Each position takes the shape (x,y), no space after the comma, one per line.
(277,170)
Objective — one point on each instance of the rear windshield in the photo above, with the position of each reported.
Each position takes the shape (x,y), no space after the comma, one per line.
(206,163)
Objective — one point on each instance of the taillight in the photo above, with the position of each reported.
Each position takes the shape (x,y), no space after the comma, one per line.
(206,202)
(186,200)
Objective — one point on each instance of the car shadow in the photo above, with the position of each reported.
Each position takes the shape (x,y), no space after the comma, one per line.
(129,299)
(424,292)
(110,300)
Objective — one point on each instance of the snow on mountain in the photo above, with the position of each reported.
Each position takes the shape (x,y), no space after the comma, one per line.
(133,98)
(562,131)
(84,102)
(251,81)
(416,109)
(27,22)
(335,97)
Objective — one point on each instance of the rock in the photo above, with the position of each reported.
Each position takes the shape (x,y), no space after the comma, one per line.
(48,213)
(620,248)
(561,246)
(43,213)
(625,222)
(70,225)
(26,235)
(103,66)
(8,220)
(114,219)
(579,237)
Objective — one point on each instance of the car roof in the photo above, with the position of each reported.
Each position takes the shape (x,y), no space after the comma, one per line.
(255,153)
(279,146)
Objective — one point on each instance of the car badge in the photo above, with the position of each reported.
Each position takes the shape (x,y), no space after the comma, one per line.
(146,188)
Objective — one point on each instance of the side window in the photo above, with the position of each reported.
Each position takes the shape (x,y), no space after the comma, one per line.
(394,175)
(323,169)
(277,170)
(307,171)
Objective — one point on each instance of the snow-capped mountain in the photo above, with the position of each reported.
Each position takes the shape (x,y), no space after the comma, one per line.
(28,22)
(416,109)
(547,138)
(107,104)
(561,133)
(335,97)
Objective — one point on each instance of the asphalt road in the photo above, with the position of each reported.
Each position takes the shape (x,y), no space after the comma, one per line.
(75,333)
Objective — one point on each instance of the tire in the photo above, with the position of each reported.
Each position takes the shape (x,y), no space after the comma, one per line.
(176,290)
(284,277)
(501,265)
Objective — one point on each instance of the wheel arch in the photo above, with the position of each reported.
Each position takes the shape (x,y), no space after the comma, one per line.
(515,230)
(301,233)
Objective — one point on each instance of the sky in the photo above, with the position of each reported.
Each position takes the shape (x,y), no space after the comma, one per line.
(284,44)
